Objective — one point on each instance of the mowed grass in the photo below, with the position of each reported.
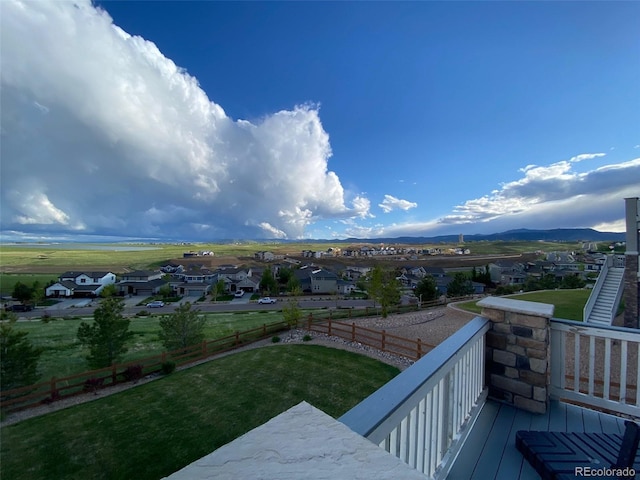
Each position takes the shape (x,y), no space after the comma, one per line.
(155,429)
(569,304)
(63,355)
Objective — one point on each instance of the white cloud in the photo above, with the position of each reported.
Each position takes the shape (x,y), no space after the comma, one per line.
(105,132)
(552,196)
(391,203)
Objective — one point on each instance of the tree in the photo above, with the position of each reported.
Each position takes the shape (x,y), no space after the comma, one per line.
(427,289)
(183,328)
(293,284)
(268,284)
(384,288)
(165,291)
(107,336)
(218,289)
(460,286)
(109,291)
(291,311)
(18,358)
(22,292)
(572,281)
(37,292)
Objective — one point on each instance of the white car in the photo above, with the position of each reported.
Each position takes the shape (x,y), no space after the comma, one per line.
(267,300)
(155,304)
(239,294)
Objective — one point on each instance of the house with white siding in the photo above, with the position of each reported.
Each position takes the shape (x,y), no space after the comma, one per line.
(80,284)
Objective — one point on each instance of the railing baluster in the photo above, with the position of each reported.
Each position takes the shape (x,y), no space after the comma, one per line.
(638,378)
(592,363)
(607,369)
(576,362)
(623,371)
(422,422)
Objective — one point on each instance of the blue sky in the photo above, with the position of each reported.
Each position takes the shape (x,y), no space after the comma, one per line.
(209,120)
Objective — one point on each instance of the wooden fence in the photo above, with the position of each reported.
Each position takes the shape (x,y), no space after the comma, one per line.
(61,388)
(321,322)
(378,339)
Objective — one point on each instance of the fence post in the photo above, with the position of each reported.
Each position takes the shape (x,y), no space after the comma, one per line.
(419,349)
(353,332)
(264,329)
(114,374)
(204,348)
(237,337)
(329,333)
(164,357)
(383,340)
(54,391)
(309,323)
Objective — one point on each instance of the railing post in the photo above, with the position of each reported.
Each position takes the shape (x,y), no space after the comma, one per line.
(54,390)
(264,329)
(204,348)
(383,340)
(353,332)
(237,341)
(114,373)
(329,332)
(419,348)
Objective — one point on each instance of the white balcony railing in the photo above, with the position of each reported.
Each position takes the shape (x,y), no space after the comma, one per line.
(424,414)
(596,366)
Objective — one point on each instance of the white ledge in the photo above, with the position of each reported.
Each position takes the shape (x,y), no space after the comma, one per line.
(535,309)
(302,442)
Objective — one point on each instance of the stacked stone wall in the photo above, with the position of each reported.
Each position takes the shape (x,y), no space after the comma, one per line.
(631,292)
(518,353)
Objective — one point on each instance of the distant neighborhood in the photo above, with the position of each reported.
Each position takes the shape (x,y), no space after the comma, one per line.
(189,279)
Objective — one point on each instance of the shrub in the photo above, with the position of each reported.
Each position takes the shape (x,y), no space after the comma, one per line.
(142,313)
(92,385)
(133,373)
(306,338)
(168,367)
(275,339)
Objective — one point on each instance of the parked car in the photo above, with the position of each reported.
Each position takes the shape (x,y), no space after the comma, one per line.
(155,304)
(267,300)
(19,308)
(239,294)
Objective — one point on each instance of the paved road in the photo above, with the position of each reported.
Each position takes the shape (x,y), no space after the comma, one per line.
(235,305)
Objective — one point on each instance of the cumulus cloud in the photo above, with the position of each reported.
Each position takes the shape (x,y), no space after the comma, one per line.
(391,203)
(102,132)
(545,197)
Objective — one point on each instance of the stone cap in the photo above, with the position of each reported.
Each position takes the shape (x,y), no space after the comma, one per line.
(302,442)
(518,306)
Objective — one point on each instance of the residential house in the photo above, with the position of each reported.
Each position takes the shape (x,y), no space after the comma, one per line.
(345,287)
(141,282)
(317,281)
(80,284)
(193,282)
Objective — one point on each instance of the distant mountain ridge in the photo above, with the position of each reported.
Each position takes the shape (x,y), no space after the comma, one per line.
(523,234)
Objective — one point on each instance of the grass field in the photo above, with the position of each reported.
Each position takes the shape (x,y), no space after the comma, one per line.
(7,282)
(569,303)
(63,355)
(56,259)
(155,429)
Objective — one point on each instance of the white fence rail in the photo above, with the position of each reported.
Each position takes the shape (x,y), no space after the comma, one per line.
(596,366)
(424,414)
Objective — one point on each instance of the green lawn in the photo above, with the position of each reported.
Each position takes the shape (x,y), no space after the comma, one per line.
(63,355)
(569,303)
(155,429)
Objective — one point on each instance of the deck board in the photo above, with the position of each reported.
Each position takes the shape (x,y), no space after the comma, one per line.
(490,451)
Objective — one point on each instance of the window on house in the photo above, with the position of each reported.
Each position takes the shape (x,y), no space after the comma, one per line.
(83,280)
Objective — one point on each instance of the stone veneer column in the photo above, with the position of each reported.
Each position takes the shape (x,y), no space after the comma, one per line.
(518,369)
(631,292)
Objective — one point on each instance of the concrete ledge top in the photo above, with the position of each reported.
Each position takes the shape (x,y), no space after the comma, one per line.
(518,306)
(302,442)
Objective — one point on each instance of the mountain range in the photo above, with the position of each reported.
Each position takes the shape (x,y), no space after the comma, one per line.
(523,234)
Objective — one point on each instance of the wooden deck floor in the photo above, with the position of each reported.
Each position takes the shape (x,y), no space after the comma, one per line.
(490,450)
